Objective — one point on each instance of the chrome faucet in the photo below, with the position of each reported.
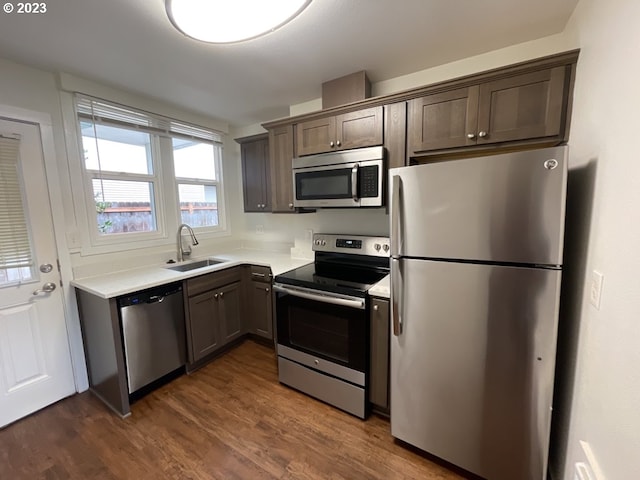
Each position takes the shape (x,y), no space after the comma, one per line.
(194,241)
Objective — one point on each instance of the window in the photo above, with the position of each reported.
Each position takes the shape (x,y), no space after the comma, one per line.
(127,164)
(120,164)
(16,258)
(197,182)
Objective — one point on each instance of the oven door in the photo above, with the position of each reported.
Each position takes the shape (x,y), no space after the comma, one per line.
(323,325)
(357,184)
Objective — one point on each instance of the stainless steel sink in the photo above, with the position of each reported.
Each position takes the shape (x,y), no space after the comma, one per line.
(185,267)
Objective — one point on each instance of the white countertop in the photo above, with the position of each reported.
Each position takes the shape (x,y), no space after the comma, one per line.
(129,281)
(382,288)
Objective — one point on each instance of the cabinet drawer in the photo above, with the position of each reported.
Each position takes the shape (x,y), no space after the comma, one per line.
(207,282)
(260,273)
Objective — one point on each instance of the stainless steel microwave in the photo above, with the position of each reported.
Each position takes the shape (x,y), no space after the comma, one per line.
(348,178)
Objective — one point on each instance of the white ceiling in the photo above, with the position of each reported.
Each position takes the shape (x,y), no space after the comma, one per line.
(131,44)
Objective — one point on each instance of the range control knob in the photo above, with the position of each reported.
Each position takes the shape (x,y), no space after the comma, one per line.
(385,247)
(317,242)
(377,247)
(323,243)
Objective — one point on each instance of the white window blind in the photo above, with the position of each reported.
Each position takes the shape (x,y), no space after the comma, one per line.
(107,113)
(15,248)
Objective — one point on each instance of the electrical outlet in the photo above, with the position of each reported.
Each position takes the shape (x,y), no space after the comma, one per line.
(259,229)
(595,291)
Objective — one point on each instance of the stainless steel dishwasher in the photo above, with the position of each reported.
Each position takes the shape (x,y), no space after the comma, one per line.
(153,332)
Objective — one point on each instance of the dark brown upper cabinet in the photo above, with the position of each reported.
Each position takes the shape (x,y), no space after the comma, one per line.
(528,107)
(256,173)
(361,128)
(281,156)
(524,105)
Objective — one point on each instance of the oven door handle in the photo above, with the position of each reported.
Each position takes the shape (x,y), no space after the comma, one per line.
(351,302)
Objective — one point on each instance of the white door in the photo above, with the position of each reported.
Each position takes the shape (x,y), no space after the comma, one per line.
(35,361)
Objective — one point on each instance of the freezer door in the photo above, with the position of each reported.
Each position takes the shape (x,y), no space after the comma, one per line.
(502,208)
(472,370)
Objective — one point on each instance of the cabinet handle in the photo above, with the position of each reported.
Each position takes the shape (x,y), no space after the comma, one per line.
(215,295)
(258,205)
(338,143)
(291,205)
(266,290)
(221,294)
(375,308)
(471,136)
(331,144)
(482,134)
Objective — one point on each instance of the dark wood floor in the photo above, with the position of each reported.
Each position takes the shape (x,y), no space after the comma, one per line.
(229,420)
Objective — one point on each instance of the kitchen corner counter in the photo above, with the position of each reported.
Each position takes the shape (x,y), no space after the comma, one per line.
(128,281)
(382,289)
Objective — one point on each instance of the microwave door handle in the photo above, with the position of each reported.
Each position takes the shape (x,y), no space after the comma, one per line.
(354,182)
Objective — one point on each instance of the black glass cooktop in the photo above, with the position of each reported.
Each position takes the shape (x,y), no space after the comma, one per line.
(335,277)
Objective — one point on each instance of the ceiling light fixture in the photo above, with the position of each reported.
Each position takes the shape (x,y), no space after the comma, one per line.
(229,21)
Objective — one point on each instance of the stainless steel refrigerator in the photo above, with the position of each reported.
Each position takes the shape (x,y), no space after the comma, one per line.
(476,263)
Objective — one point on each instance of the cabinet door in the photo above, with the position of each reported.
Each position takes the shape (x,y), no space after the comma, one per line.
(379,381)
(256,175)
(315,136)
(443,120)
(359,129)
(522,107)
(204,325)
(395,134)
(281,156)
(230,309)
(261,313)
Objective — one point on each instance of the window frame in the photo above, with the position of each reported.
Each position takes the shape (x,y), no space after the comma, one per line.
(165,197)
(218,183)
(157,199)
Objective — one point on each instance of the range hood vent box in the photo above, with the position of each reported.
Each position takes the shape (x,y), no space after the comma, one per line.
(348,89)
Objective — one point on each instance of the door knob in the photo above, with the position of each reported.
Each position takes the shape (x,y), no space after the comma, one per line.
(46,268)
(46,288)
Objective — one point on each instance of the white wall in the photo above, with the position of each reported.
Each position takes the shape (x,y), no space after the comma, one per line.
(605,409)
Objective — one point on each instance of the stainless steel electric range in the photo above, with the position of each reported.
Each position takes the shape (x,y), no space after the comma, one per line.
(322,319)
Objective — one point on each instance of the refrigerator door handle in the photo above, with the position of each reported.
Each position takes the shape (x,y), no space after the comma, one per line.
(396,296)
(396,221)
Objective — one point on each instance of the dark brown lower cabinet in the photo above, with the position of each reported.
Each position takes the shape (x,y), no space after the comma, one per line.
(230,309)
(224,306)
(260,308)
(379,356)
(261,313)
(204,323)
(213,310)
